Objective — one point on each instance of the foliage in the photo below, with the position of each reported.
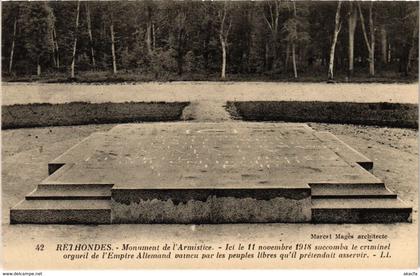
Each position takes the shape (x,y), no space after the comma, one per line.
(170,38)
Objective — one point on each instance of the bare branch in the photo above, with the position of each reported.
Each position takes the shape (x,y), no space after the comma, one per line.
(227,32)
(276,24)
(362,21)
(271,13)
(268,22)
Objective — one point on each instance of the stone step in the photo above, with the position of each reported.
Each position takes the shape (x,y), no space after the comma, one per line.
(93,211)
(360,210)
(351,191)
(84,192)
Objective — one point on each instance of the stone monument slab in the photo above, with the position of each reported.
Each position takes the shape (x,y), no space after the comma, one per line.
(217,173)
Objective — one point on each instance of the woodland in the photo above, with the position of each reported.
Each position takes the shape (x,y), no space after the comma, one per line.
(117,41)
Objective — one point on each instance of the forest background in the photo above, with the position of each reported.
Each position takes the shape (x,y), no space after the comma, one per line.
(110,41)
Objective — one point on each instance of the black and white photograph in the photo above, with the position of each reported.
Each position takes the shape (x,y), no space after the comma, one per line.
(223,134)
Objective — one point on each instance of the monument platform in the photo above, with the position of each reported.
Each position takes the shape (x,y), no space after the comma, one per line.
(211,173)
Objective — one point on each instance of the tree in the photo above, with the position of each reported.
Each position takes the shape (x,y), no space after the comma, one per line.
(179,35)
(56,52)
(414,22)
(114,59)
(257,38)
(271,15)
(150,34)
(111,12)
(73,59)
(370,44)
(243,34)
(12,48)
(36,22)
(337,29)
(63,33)
(295,28)
(89,26)
(207,45)
(225,25)
(402,23)
(352,22)
(384,45)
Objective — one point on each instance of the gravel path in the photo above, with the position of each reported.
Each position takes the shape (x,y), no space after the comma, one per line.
(206,111)
(15,93)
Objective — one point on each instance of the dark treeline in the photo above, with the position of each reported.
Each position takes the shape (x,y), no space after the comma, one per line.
(274,39)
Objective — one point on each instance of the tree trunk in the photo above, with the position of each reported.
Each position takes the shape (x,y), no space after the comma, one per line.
(286,62)
(352,22)
(180,66)
(149,31)
(389,56)
(410,56)
(337,29)
(75,40)
(180,54)
(56,55)
(38,67)
(372,42)
(372,62)
(12,50)
(153,37)
(275,32)
(267,56)
(53,49)
(294,44)
(206,43)
(223,75)
(384,44)
(273,24)
(114,61)
(324,56)
(149,38)
(412,46)
(274,54)
(89,26)
(370,45)
(223,36)
(294,60)
(402,66)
